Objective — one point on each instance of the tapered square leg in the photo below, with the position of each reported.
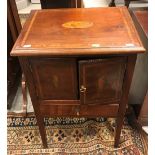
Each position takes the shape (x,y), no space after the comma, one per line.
(40,122)
(118,131)
(40,119)
(124,99)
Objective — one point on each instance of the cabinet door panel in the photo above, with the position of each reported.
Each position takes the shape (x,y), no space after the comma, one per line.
(55,79)
(101,80)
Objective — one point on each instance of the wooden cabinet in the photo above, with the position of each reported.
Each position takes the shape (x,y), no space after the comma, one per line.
(80,63)
(82,85)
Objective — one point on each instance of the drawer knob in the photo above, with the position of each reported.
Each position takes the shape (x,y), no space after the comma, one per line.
(82,89)
(77,111)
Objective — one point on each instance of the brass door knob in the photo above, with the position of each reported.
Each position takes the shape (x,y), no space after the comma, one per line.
(82,89)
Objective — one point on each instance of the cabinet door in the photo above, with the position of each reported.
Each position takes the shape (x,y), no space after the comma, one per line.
(55,79)
(101,80)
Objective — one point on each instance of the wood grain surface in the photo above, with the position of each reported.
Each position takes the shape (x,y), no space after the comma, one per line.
(112,32)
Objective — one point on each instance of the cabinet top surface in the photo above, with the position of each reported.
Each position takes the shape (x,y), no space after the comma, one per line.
(78,32)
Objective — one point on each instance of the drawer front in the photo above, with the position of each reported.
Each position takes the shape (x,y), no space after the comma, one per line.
(101,80)
(49,110)
(55,79)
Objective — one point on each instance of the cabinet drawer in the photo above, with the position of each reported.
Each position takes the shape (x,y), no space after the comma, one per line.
(49,110)
(101,80)
(55,79)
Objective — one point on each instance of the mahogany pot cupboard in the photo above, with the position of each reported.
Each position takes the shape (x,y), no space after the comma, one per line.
(79,62)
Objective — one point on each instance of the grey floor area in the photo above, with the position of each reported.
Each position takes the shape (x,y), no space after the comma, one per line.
(18,100)
(17,105)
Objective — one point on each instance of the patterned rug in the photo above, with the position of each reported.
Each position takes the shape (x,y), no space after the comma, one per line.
(72,136)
